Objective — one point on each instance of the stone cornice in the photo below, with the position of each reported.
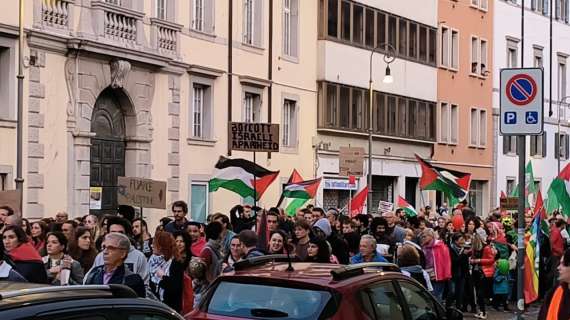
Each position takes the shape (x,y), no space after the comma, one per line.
(205,71)
(253,81)
(9,30)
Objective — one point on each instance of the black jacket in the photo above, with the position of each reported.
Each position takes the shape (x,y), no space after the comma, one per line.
(121,275)
(173,286)
(339,247)
(459,263)
(564,311)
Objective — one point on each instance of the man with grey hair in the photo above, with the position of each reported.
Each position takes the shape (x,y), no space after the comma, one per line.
(115,249)
(368,252)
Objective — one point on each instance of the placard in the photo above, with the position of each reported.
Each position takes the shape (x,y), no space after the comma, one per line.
(351,161)
(254,137)
(385,206)
(11,198)
(142,193)
(509,203)
(95,198)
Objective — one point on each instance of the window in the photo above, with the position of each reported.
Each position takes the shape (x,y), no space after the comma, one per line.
(161,9)
(432,46)
(455,49)
(345,108)
(445,39)
(199,201)
(476,196)
(475,55)
(201,110)
(357,24)
(3,181)
(423,43)
(538,145)
(537,57)
(511,184)
(252,20)
(420,303)
(381,302)
(561,77)
(448,127)
(413,41)
(290,27)
(509,145)
(198,111)
(345,20)
(557,9)
(512,53)
(115,2)
(290,135)
(381,29)
(484,5)
(475,3)
(241,300)
(545,6)
(392,32)
(252,107)
(483,62)
(478,130)
(369,37)
(7,73)
(561,146)
(203,16)
(403,37)
(332,19)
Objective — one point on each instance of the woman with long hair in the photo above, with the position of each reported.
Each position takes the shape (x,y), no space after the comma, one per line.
(277,242)
(233,256)
(27,227)
(60,267)
(183,246)
(318,251)
(166,271)
(83,249)
(39,234)
(22,256)
(483,264)
(142,237)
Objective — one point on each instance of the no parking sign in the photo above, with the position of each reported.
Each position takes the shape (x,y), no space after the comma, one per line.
(522,101)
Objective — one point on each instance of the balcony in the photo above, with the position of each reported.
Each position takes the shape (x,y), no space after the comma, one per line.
(53,14)
(117,24)
(165,36)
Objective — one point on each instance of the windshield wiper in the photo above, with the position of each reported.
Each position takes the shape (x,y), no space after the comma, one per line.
(270,313)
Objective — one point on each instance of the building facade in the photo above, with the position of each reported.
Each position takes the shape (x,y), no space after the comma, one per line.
(403,112)
(146,89)
(464,92)
(544,152)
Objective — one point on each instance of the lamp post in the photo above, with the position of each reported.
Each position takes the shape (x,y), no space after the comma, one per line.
(19,179)
(389,57)
(560,104)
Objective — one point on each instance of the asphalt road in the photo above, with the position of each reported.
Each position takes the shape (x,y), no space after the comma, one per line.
(532,313)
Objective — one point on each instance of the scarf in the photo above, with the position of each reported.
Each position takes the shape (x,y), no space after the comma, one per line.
(156,263)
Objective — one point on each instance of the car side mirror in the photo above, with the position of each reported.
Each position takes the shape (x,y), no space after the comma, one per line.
(454,314)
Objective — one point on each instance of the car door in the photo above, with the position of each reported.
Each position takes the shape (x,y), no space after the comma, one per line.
(78,314)
(417,302)
(381,301)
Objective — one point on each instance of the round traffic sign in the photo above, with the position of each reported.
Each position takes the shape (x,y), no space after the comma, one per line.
(521,89)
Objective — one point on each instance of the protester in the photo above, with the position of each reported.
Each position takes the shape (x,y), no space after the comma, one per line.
(272,221)
(127,212)
(198,241)
(302,232)
(143,238)
(501,285)
(367,251)
(212,252)
(352,237)
(279,243)
(241,218)
(227,233)
(248,239)
(459,270)
(61,217)
(233,256)
(7,272)
(183,247)
(22,256)
(82,249)
(393,230)
(438,263)
(61,269)
(68,229)
(556,303)
(180,211)
(116,248)
(483,261)
(409,263)
(39,233)
(322,229)
(166,271)
(318,251)
(308,216)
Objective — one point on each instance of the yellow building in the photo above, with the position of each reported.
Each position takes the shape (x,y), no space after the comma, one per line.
(146,89)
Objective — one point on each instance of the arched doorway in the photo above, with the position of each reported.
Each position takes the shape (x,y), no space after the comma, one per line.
(107,148)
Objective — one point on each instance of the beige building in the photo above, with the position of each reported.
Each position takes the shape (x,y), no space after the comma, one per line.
(146,89)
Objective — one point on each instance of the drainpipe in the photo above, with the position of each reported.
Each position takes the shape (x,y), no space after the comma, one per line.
(270,67)
(19,179)
(230,64)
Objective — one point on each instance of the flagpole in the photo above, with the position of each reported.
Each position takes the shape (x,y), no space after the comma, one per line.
(254,182)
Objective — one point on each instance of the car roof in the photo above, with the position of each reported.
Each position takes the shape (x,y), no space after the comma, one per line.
(318,274)
(14,294)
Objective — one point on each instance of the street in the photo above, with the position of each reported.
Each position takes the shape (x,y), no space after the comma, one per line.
(532,313)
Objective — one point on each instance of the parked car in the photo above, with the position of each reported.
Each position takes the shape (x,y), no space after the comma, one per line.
(274,287)
(102,302)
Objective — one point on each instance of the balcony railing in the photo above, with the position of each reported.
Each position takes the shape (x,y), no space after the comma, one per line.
(120,24)
(55,13)
(165,36)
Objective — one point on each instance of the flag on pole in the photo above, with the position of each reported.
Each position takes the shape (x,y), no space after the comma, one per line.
(540,212)
(302,190)
(408,209)
(454,184)
(559,193)
(295,177)
(529,188)
(242,177)
(531,261)
(358,201)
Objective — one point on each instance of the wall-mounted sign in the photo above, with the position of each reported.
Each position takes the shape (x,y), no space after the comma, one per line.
(254,137)
(339,184)
(351,161)
(95,198)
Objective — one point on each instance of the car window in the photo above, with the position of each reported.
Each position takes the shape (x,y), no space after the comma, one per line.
(421,304)
(76,316)
(256,301)
(381,302)
(142,316)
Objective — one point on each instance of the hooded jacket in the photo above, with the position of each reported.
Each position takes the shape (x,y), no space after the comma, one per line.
(27,262)
(440,256)
(420,275)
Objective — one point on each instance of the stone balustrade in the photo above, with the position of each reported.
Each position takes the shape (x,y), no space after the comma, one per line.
(165,36)
(56,13)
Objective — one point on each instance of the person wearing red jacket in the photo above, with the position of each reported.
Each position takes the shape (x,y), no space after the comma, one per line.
(483,262)
(22,255)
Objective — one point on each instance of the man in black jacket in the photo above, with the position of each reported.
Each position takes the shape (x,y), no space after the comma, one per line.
(115,250)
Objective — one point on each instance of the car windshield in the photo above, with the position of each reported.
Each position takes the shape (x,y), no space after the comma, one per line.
(255,301)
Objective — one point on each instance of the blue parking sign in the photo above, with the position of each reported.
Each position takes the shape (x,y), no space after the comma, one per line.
(510,118)
(531,117)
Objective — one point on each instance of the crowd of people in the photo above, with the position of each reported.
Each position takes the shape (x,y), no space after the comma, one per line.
(464,260)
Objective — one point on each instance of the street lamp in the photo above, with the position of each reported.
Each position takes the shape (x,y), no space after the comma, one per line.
(389,57)
(560,104)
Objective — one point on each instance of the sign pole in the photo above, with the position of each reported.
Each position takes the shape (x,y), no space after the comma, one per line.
(521,147)
(254,182)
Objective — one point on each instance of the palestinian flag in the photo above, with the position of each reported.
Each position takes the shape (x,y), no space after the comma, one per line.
(454,184)
(539,211)
(559,193)
(242,177)
(408,209)
(529,188)
(293,204)
(302,190)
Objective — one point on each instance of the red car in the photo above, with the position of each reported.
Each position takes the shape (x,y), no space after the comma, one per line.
(271,287)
